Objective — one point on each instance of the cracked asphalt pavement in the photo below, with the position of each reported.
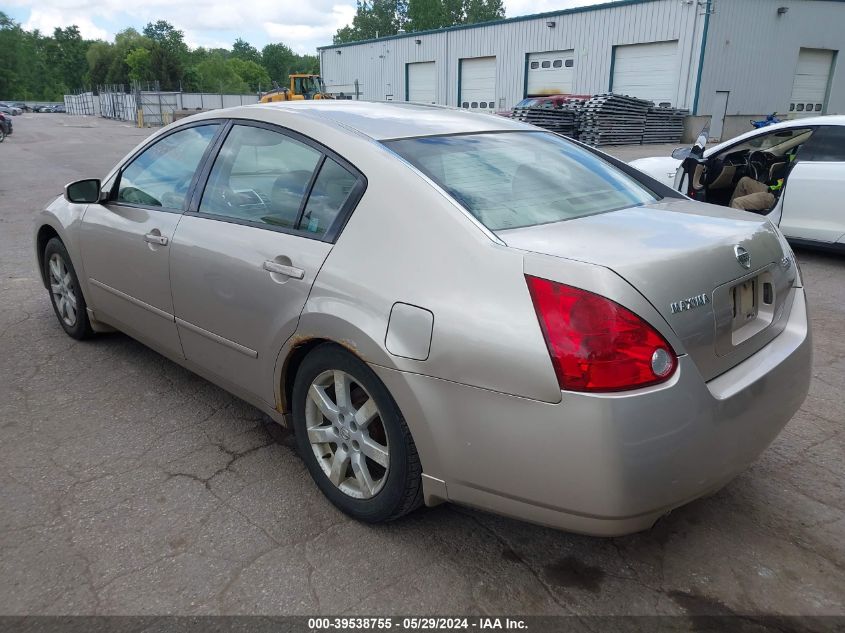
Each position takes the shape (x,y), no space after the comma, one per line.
(130,486)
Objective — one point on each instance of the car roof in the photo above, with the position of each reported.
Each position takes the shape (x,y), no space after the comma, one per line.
(385,120)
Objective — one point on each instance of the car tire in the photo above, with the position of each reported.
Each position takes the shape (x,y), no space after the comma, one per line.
(65,293)
(346,442)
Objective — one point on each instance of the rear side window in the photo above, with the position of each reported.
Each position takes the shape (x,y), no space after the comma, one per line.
(827,144)
(517,179)
(332,189)
(161,175)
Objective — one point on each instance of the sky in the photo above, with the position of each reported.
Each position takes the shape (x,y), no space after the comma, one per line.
(301,24)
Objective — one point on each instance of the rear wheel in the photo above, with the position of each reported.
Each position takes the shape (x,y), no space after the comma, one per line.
(2,134)
(65,295)
(353,438)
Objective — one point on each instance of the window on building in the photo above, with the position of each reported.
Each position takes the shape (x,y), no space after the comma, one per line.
(474,104)
(547,64)
(483,104)
(792,107)
(535,65)
(818,107)
(800,107)
(465,104)
(558,63)
(570,63)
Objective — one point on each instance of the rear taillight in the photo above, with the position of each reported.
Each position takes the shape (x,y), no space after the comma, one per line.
(595,343)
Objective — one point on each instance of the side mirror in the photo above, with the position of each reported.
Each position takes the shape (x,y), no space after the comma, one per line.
(681,153)
(83,191)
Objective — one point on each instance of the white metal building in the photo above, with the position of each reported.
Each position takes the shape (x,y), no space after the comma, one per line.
(725,59)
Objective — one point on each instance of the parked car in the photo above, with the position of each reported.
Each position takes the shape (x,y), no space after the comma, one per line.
(22,106)
(60,108)
(802,161)
(445,306)
(5,126)
(8,108)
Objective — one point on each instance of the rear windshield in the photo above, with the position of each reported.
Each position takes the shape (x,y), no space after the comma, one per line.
(515,179)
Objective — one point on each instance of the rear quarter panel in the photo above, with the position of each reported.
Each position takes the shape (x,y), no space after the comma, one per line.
(407,242)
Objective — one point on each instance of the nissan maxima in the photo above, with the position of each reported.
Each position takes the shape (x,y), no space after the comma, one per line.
(445,306)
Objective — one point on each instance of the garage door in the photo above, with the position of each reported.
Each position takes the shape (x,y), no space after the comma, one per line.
(550,73)
(647,71)
(809,87)
(422,82)
(477,87)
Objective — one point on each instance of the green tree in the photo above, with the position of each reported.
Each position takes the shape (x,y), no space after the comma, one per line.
(166,66)
(100,56)
(68,53)
(279,61)
(374,18)
(214,74)
(246,51)
(426,14)
(10,42)
(140,65)
(251,73)
(484,11)
(377,18)
(168,36)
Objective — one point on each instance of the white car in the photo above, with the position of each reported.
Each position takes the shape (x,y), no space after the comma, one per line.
(808,155)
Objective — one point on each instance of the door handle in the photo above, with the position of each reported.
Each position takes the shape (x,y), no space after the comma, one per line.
(283,269)
(154,238)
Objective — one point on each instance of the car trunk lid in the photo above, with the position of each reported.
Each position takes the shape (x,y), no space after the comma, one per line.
(688,260)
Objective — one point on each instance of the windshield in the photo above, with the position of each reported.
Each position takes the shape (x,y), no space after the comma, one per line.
(516,179)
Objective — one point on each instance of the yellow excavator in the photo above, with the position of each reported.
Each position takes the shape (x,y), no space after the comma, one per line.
(302,86)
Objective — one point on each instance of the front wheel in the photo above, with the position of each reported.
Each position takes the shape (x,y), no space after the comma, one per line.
(65,295)
(353,438)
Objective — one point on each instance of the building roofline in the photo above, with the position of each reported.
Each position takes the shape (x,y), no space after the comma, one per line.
(521,18)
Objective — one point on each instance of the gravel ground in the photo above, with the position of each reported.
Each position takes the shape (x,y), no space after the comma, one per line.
(130,486)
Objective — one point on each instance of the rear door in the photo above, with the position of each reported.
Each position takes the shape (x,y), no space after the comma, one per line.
(812,198)
(126,240)
(246,254)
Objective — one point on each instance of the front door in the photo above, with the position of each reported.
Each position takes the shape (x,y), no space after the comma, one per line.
(126,240)
(243,262)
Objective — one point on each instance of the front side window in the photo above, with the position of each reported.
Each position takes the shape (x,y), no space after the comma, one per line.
(161,175)
(517,179)
(773,141)
(259,176)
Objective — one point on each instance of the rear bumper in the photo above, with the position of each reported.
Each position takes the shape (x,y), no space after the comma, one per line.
(606,464)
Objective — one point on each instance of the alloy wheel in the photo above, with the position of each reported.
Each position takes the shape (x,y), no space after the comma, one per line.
(347,435)
(63,290)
